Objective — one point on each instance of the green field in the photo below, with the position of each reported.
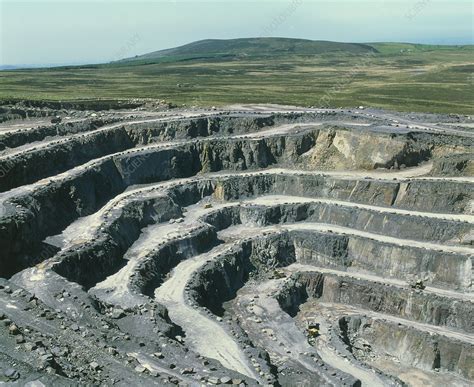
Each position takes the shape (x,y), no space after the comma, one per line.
(395,76)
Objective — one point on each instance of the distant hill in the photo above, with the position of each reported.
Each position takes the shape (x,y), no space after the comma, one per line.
(401,48)
(249,47)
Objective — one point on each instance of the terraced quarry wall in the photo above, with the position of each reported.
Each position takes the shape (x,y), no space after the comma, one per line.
(264,246)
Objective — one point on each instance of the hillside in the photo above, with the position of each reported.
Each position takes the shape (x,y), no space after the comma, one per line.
(249,47)
(400,76)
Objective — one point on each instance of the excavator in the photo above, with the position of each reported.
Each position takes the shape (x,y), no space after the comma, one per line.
(312,331)
(417,283)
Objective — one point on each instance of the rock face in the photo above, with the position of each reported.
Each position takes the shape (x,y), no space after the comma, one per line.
(237,247)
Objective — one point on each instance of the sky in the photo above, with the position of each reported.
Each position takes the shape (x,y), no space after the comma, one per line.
(75,32)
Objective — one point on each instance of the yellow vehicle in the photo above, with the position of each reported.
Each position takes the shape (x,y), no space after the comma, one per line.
(418,284)
(313,330)
(277,274)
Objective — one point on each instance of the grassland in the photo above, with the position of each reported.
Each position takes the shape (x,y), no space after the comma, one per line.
(401,77)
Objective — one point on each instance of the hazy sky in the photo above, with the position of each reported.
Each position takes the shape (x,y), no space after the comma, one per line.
(67,31)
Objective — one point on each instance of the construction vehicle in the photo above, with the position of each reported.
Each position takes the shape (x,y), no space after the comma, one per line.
(277,274)
(418,284)
(312,332)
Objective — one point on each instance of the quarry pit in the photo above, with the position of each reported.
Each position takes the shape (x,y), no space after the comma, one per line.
(247,245)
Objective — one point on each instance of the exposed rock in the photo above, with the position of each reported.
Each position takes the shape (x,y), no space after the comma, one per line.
(234,247)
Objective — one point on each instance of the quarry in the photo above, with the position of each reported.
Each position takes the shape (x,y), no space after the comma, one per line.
(243,245)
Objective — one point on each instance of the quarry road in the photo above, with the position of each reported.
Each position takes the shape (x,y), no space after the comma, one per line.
(281,199)
(327,316)
(118,285)
(297,267)
(339,310)
(30,124)
(84,135)
(270,108)
(282,338)
(203,334)
(406,174)
(322,227)
(127,117)
(40,145)
(328,355)
(14,126)
(39,185)
(51,141)
(278,130)
(19,158)
(382,238)
(403,122)
(82,228)
(242,231)
(434,127)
